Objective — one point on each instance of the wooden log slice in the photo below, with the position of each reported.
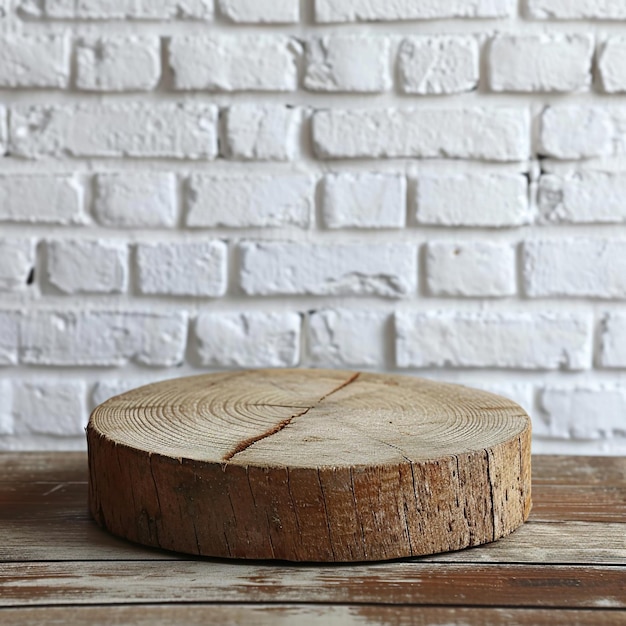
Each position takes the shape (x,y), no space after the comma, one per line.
(309,465)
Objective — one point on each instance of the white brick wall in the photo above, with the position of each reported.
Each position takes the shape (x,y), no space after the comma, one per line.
(561,267)
(471,269)
(87,266)
(368,200)
(100,338)
(493,133)
(348,63)
(367,10)
(611,65)
(480,200)
(254,339)
(118,9)
(580,196)
(182,269)
(278,268)
(260,11)
(509,340)
(234,63)
(433,187)
(576,9)
(179,131)
(438,65)
(250,201)
(41,199)
(261,132)
(34,61)
(135,200)
(335,338)
(50,408)
(118,63)
(540,63)
(17,260)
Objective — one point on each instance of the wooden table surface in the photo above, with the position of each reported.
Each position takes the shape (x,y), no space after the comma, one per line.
(567,565)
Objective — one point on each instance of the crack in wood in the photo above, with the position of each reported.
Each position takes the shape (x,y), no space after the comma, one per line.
(246,443)
(491,494)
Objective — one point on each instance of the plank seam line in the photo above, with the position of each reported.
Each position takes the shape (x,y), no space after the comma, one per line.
(263,603)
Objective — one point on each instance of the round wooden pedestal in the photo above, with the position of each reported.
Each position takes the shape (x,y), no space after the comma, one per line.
(309,465)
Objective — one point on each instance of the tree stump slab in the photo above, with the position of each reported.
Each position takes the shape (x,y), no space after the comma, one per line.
(309,465)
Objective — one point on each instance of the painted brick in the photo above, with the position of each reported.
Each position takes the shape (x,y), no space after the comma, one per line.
(102,338)
(261,11)
(119,9)
(570,132)
(255,339)
(51,407)
(576,9)
(497,134)
(536,341)
(358,63)
(370,11)
(369,200)
(17,260)
(583,197)
(118,63)
(264,133)
(105,389)
(438,65)
(272,268)
(75,266)
(7,423)
(115,130)
(4,133)
(575,267)
(555,62)
(613,341)
(480,200)
(521,394)
(41,198)
(250,201)
(611,66)
(583,412)
(182,269)
(29,61)
(471,269)
(136,199)
(335,338)
(9,337)
(234,63)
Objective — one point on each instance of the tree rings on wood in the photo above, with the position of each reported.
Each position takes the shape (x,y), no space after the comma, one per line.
(309,465)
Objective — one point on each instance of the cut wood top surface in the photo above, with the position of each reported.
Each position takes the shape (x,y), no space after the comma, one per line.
(308,418)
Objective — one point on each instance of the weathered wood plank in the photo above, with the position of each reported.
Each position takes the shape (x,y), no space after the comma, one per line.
(547,469)
(48,520)
(308,615)
(590,503)
(579,470)
(49,467)
(435,584)
(541,542)
(73,539)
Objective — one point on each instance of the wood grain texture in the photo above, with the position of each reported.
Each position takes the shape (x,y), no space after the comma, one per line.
(564,570)
(306,615)
(309,465)
(43,516)
(415,583)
